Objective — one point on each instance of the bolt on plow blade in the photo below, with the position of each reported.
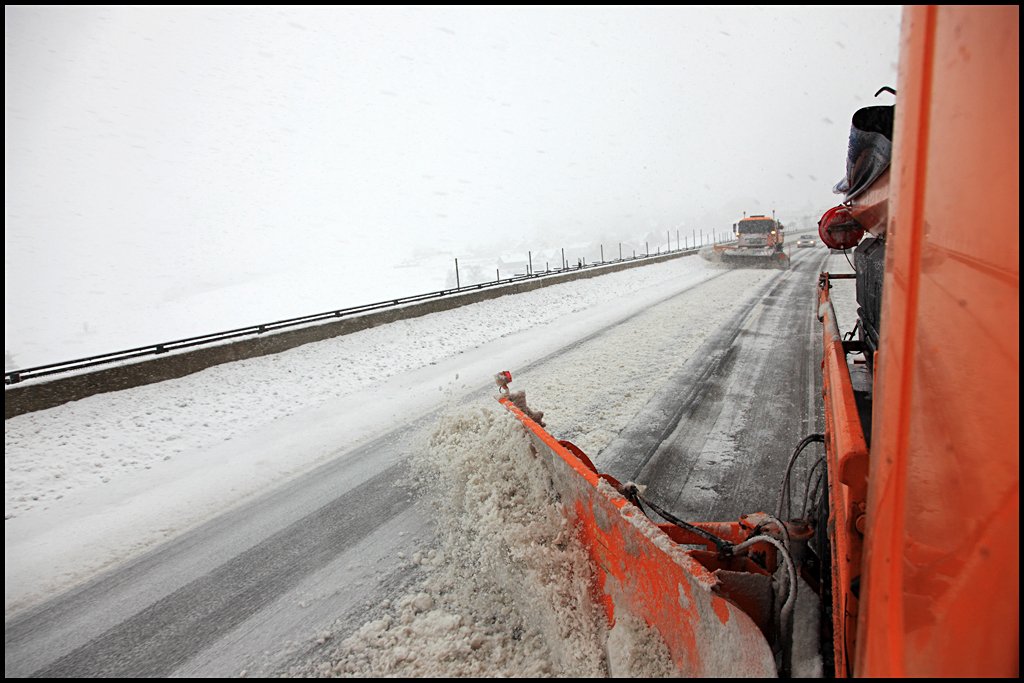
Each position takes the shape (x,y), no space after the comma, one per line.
(642,572)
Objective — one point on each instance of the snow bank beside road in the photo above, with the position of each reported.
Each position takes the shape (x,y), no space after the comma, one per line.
(51,454)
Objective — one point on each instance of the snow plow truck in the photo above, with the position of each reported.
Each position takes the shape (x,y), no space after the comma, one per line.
(759,244)
(913,547)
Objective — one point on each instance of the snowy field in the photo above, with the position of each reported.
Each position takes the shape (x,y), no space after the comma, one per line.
(108,317)
(98,481)
(176,170)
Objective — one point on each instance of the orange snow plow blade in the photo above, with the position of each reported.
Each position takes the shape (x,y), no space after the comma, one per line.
(736,257)
(667,576)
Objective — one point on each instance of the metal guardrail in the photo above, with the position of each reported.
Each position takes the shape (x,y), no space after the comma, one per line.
(16,376)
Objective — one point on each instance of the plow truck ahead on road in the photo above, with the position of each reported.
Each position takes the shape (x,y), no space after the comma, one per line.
(759,243)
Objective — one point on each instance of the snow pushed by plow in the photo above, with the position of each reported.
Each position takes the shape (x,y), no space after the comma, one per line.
(507,588)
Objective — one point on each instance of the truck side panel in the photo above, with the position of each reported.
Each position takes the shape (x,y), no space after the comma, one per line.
(940,594)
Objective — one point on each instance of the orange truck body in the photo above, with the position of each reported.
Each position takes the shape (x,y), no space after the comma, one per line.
(773,238)
(759,243)
(940,588)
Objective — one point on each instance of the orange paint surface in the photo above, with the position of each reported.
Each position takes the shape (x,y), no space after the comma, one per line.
(940,592)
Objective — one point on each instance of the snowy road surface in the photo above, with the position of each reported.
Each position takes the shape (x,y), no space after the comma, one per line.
(709,444)
(187,555)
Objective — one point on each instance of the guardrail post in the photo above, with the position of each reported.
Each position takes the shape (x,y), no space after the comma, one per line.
(457,285)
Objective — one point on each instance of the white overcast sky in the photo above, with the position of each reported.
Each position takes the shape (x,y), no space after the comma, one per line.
(150,148)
